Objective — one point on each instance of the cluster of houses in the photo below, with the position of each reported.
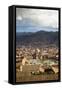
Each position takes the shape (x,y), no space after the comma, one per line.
(37,57)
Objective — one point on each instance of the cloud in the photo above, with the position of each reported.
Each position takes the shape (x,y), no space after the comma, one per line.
(19,18)
(41,17)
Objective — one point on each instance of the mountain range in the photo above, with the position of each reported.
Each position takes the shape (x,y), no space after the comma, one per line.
(37,39)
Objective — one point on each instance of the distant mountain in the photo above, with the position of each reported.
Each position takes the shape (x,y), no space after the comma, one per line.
(37,39)
(23,33)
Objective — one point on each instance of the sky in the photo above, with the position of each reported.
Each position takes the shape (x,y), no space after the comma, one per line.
(33,20)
